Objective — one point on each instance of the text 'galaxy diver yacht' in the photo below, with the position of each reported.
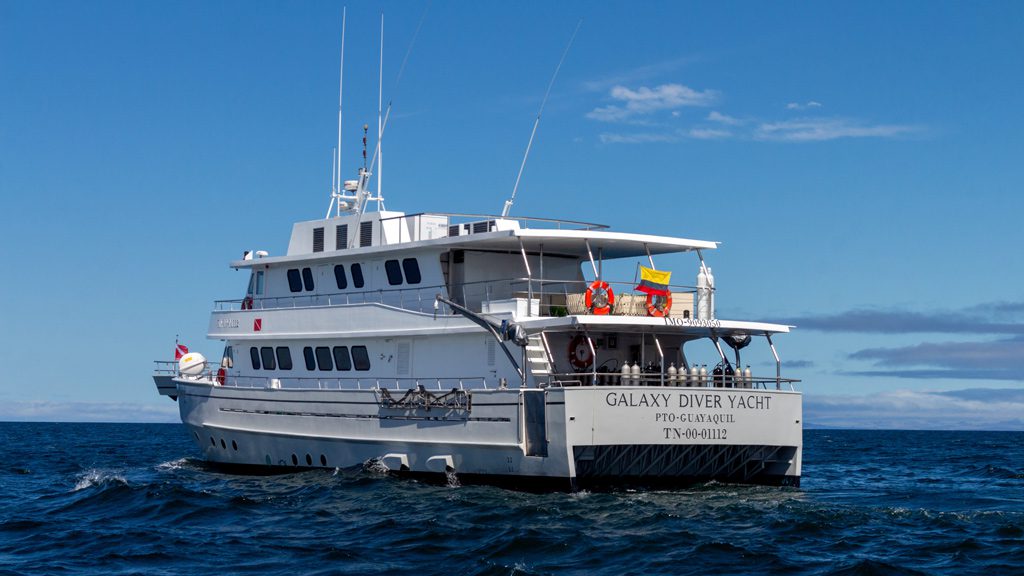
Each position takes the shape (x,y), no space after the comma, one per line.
(490,347)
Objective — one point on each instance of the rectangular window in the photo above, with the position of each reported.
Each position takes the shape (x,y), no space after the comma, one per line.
(360,358)
(294,280)
(339,277)
(412,270)
(284,358)
(394,272)
(307,354)
(318,239)
(267,354)
(341,358)
(357,275)
(323,358)
(307,279)
(341,237)
(254,355)
(259,282)
(366,233)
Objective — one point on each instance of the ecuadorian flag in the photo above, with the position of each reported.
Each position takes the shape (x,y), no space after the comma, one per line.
(654,281)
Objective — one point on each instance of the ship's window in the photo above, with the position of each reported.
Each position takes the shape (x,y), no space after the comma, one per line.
(394,272)
(323,358)
(309,460)
(307,279)
(307,353)
(340,278)
(228,360)
(259,282)
(360,358)
(341,358)
(341,237)
(267,354)
(284,357)
(234,446)
(254,354)
(295,460)
(318,239)
(252,285)
(357,275)
(323,460)
(365,234)
(294,280)
(412,270)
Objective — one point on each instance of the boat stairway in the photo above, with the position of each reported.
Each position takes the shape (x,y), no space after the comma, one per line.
(538,359)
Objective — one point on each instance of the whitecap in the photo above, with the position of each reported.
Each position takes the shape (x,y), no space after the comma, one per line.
(96,477)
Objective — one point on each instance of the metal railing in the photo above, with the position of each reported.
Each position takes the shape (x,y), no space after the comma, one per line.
(657,379)
(342,383)
(553,297)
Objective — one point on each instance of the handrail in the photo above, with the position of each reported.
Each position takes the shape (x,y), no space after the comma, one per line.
(559,222)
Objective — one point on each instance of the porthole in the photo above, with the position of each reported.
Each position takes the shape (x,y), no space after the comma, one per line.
(213,442)
(323,460)
(196,434)
(295,460)
(223,445)
(309,460)
(234,446)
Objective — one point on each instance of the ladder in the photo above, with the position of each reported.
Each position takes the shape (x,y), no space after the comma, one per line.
(538,359)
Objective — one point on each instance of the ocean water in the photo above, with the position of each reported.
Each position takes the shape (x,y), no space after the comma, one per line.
(136,499)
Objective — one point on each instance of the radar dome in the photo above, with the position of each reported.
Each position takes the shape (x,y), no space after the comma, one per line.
(192,364)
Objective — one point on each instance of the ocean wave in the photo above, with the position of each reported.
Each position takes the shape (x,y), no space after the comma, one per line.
(99,478)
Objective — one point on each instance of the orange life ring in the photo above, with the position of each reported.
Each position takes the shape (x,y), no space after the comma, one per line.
(221,376)
(599,298)
(580,355)
(247,303)
(654,310)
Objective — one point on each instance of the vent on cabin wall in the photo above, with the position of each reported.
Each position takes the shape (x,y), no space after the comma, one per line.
(404,358)
(453,230)
(341,237)
(366,233)
(318,239)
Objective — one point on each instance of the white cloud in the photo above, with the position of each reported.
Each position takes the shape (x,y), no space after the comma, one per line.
(709,133)
(715,116)
(972,409)
(804,106)
(636,138)
(46,411)
(819,129)
(644,101)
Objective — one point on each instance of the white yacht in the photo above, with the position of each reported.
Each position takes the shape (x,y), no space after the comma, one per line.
(493,348)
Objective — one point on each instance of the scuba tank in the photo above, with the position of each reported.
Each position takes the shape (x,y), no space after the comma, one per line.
(672,378)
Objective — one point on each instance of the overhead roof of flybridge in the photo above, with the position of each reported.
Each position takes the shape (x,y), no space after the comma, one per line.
(604,244)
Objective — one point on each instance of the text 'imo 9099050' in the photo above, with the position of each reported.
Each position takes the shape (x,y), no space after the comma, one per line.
(488,346)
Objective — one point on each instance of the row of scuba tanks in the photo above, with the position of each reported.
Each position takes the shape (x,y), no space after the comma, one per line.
(721,376)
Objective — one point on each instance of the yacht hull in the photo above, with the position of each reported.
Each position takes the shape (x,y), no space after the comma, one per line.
(553,438)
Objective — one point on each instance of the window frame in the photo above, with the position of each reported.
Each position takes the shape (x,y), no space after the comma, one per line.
(356,269)
(254,356)
(339,277)
(411,269)
(284,357)
(361,362)
(310,358)
(322,366)
(267,352)
(294,280)
(342,353)
(393,269)
(307,279)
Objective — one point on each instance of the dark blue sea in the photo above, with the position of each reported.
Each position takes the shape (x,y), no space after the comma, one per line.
(136,499)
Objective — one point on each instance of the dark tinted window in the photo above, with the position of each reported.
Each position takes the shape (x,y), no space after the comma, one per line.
(412,270)
(284,357)
(254,354)
(394,272)
(341,359)
(267,353)
(323,358)
(357,275)
(294,280)
(339,277)
(360,358)
(307,278)
(307,354)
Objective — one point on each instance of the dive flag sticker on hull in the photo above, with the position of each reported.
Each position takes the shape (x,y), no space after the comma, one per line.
(257,325)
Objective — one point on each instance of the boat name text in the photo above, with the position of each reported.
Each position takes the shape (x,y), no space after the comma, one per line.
(691,322)
(688,400)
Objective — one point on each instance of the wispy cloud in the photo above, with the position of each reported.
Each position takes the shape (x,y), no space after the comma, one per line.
(993,360)
(804,106)
(608,138)
(821,129)
(987,318)
(49,411)
(638,74)
(969,409)
(709,133)
(643,101)
(715,116)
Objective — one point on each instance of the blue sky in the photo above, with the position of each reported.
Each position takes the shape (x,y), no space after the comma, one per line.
(860,163)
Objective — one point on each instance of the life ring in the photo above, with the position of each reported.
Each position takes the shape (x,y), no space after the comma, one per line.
(580,355)
(247,303)
(599,298)
(653,308)
(221,376)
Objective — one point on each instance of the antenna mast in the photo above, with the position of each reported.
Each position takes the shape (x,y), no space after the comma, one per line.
(336,184)
(522,166)
(380,108)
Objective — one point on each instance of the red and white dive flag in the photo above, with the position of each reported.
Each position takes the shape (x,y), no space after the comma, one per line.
(179,350)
